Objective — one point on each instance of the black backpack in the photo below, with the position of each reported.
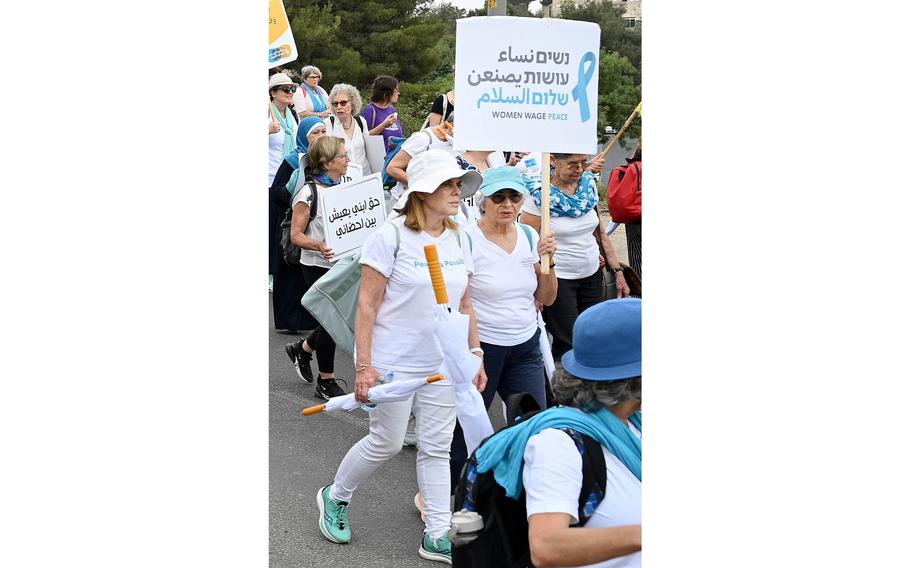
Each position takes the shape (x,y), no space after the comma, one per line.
(503,542)
(289,251)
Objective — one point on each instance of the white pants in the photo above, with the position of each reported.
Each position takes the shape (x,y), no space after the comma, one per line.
(434,410)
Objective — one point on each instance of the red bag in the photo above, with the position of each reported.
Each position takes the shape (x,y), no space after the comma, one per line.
(624,193)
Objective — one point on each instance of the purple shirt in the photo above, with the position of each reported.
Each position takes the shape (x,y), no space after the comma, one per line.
(374,117)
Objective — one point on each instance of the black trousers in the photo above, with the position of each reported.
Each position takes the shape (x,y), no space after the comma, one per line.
(572,298)
(319,340)
(633,244)
(287,282)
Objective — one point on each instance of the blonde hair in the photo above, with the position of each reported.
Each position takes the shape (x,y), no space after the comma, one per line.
(322,151)
(415,216)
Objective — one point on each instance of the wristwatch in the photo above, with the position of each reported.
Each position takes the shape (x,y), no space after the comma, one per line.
(616,270)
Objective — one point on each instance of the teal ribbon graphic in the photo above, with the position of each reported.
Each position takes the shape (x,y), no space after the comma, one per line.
(580,92)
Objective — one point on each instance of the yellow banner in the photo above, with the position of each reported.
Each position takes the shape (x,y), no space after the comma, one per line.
(282,48)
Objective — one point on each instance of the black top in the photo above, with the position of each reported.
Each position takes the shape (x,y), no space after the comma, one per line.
(437,107)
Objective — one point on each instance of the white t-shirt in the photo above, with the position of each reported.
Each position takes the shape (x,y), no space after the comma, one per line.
(403,336)
(503,286)
(552,477)
(576,250)
(303,102)
(356,145)
(315,228)
(417,143)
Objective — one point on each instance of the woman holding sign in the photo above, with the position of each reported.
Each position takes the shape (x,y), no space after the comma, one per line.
(328,163)
(393,332)
(580,236)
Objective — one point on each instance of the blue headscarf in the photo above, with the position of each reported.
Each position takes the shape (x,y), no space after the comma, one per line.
(303,143)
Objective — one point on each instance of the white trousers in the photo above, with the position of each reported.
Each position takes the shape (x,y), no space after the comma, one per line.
(434,411)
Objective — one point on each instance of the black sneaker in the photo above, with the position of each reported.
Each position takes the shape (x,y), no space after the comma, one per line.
(301,359)
(329,388)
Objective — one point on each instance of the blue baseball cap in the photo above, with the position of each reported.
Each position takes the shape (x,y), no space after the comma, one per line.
(606,342)
(502,177)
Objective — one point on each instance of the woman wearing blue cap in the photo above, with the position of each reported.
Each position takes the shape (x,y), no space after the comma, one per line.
(507,282)
(600,387)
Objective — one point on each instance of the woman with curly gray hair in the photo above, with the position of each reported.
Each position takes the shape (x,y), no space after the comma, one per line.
(344,123)
(600,389)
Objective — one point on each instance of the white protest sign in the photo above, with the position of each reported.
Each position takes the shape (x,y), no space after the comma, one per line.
(351,212)
(526,84)
(282,48)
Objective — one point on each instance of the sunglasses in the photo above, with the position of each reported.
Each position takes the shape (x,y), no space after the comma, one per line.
(288,89)
(339,103)
(499,197)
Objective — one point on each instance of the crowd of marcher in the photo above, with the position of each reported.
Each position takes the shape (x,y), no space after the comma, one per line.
(482,211)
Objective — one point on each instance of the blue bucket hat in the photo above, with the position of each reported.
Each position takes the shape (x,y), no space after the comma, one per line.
(606,342)
(502,177)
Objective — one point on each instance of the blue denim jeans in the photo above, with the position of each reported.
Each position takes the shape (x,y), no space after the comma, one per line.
(510,370)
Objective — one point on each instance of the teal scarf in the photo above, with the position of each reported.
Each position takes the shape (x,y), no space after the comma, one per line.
(288,125)
(319,103)
(504,452)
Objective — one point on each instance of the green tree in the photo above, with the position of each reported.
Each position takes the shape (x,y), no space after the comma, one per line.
(614,36)
(617,94)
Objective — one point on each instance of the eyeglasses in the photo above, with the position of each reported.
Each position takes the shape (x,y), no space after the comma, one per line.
(575,165)
(313,77)
(339,103)
(288,89)
(499,197)
(344,156)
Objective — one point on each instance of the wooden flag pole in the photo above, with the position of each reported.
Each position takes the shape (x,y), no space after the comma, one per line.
(545,207)
(632,117)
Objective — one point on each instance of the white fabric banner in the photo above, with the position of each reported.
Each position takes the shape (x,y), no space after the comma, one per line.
(526,84)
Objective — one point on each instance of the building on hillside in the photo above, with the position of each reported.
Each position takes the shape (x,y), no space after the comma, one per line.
(632,14)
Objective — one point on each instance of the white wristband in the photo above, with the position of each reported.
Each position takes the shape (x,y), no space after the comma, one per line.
(476,350)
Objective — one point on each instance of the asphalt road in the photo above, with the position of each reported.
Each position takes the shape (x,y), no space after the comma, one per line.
(304,453)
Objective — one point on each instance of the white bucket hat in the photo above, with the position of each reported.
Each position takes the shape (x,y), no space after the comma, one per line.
(428,170)
(279,79)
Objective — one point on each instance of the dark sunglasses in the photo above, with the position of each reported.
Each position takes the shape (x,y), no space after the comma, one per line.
(499,197)
(288,89)
(339,103)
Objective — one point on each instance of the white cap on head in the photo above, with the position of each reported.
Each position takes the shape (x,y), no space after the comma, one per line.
(428,170)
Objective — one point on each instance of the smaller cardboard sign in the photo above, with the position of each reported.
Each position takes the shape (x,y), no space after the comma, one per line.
(351,212)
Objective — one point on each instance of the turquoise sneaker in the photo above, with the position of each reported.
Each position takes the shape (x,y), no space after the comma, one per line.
(333,517)
(439,549)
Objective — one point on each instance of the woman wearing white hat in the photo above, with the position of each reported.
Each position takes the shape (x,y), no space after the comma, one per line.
(393,331)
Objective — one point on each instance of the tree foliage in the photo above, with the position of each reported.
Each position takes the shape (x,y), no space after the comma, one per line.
(614,36)
(353,41)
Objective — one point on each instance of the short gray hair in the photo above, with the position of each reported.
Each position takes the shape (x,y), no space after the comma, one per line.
(591,396)
(309,70)
(349,90)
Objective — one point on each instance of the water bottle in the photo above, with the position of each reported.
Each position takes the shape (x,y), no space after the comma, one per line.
(466,527)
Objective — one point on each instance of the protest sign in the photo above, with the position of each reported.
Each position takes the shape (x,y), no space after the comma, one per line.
(351,212)
(282,48)
(375,150)
(526,84)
